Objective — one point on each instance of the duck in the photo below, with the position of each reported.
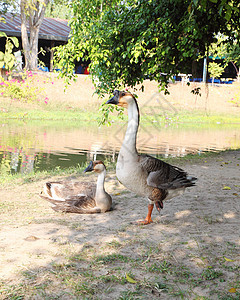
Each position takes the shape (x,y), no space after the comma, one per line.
(79,197)
(143,174)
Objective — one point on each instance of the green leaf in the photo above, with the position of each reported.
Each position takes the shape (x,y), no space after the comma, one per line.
(2,34)
(15,41)
(130,279)
(228,259)
(226,188)
(1,56)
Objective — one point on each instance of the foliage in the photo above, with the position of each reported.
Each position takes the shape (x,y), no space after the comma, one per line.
(218,49)
(224,8)
(229,52)
(233,56)
(24,90)
(58,9)
(215,70)
(7,59)
(234,53)
(130,41)
(8,5)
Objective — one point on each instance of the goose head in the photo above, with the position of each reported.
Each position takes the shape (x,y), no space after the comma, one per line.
(121,98)
(96,166)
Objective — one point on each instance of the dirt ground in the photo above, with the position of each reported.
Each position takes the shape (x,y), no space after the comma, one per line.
(190,251)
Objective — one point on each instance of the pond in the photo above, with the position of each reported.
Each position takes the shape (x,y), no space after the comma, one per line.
(31,146)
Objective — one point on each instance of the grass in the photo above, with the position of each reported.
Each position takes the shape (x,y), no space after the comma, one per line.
(82,278)
(64,112)
(192,119)
(18,178)
(48,113)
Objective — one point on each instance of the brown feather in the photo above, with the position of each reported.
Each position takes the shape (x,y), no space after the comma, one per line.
(163,175)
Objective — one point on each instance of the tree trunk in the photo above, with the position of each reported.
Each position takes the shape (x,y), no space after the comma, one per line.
(31,18)
(237,70)
(51,55)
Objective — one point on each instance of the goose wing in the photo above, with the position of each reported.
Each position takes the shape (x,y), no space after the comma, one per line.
(163,175)
(61,190)
(81,204)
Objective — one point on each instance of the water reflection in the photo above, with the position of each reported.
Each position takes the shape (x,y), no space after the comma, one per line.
(26,147)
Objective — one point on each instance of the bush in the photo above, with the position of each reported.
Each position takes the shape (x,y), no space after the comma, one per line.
(24,89)
(215,70)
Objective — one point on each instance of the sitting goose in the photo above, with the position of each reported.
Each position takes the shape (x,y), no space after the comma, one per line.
(80,197)
(145,175)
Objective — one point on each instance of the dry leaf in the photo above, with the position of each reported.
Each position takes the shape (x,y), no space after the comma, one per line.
(31,238)
(226,188)
(228,259)
(235,194)
(232,290)
(130,279)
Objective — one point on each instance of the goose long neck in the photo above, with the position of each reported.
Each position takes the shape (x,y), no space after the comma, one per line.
(100,184)
(132,128)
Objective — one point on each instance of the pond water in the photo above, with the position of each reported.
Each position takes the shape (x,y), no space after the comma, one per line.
(27,147)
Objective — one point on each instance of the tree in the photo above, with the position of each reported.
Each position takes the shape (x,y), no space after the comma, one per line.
(129,41)
(58,9)
(215,70)
(7,59)
(229,52)
(233,56)
(32,14)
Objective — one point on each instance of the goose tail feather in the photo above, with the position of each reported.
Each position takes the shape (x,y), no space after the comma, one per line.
(178,183)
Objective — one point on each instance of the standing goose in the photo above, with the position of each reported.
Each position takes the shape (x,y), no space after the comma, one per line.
(145,175)
(80,197)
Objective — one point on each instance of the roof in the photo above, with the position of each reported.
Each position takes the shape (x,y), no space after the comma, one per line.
(51,29)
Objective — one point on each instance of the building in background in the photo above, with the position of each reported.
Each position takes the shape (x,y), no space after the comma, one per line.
(53,32)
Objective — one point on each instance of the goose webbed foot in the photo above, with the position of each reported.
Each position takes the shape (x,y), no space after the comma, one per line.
(144,222)
(148,218)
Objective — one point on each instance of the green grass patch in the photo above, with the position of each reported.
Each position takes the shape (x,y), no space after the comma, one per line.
(184,118)
(160,267)
(19,178)
(110,258)
(190,119)
(210,273)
